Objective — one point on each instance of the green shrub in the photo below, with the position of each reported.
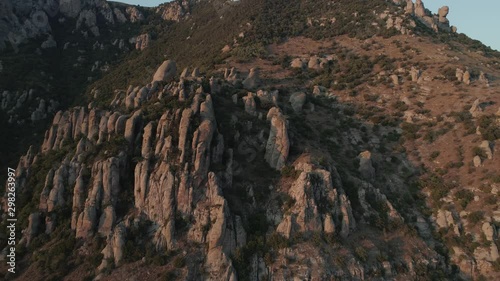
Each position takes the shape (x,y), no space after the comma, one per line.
(289,171)
(488,127)
(247,52)
(371,97)
(277,241)
(478,151)
(410,131)
(179,262)
(361,253)
(434,154)
(401,106)
(437,187)
(464,197)
(475,217)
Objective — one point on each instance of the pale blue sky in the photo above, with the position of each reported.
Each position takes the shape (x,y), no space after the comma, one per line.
(478,19)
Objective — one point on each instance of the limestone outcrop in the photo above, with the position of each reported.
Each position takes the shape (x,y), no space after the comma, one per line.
(442,13)
(437,22)
(414,73)
(165,72)
(450,219)
(165,143)
(310,191)
(253,80)
(278,144)
(475,108)
(225,231)
(97,213)
(142,41)
(174,11)
(134,14)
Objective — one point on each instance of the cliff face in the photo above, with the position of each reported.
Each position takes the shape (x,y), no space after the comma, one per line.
(329,155)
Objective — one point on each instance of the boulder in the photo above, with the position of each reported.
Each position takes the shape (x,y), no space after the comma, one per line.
(314,63)
(477,161)
(475,109)
(485,145)
(409,8)
(165,72)
(483,79)
(132,126)
(395,79)
(252,80)
(466,77)
(297,63)
(297,100)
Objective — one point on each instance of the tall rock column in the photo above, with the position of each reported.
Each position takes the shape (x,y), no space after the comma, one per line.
(278,144)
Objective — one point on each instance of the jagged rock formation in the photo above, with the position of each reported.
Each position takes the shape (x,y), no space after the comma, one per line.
(252,81)
(165,72)
(437,22)
(297,63)
(30,19)
(250,106)
(134,14)
(142,41)
(415,73)
(174,11)
(450,219)
(419,8)
(443,12)
(181,179)
(466,77)
(475,108)
(314,189)
(268,98)
(483,79)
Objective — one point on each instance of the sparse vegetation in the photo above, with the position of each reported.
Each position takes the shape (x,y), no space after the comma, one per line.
(475,217)
(464,197)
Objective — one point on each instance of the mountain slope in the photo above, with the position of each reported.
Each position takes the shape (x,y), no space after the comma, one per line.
(324,140)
